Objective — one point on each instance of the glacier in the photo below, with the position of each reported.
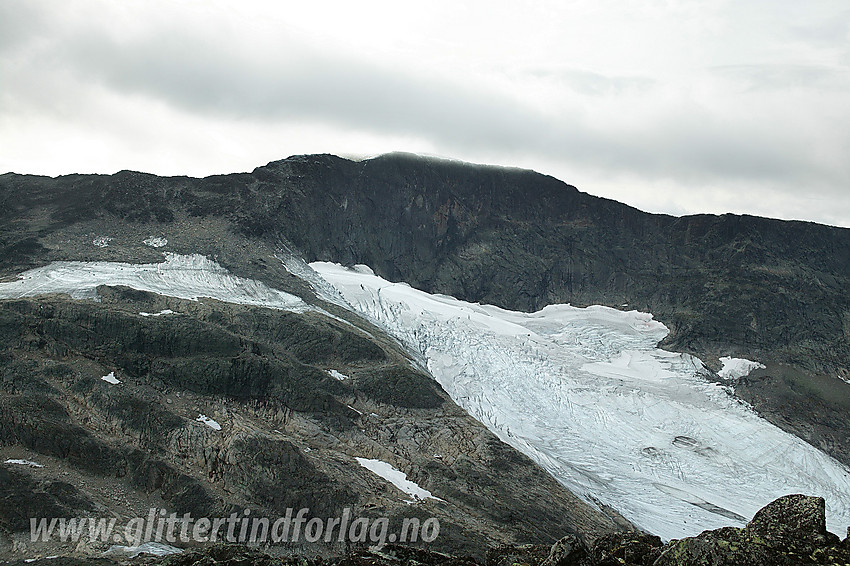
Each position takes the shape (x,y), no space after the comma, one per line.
(586,393)
(181,276)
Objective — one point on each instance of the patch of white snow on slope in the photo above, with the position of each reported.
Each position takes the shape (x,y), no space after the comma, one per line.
(337,374)
(154,548)
(208,421)
(397,478)
(160,313)
(586,394)
(28,463)
(155,242)
(736,368)
(110,378)
(295,265)
(182,276)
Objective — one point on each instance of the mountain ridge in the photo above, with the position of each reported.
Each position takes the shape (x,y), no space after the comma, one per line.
(769,290)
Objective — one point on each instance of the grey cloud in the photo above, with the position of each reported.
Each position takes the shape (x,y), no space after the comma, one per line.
(830,33)
(784,76)
(20,23)
(200,75)
(595,84)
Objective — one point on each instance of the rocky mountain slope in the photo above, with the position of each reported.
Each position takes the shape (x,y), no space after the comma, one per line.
(766,290)
(141,400)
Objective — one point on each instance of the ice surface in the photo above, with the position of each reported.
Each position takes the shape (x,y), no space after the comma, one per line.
(208,421)
(182,276)
(586,394)
(736,368)
(396,477)
(110,378)
(28,463)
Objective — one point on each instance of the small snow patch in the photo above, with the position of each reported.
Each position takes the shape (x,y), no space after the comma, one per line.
(160,313)
(397,478)
(334,373)
(155,242)
(736,368)
(27,463)
(110,378)
(209,422)
(154,548)
(353,409)
(101,241)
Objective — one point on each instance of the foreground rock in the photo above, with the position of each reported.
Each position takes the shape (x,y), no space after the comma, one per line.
(789,531)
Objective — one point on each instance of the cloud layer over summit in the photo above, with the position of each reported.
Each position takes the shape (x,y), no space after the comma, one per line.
(669,105)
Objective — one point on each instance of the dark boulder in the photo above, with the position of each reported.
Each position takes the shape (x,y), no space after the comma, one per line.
(789,531)
(569,551)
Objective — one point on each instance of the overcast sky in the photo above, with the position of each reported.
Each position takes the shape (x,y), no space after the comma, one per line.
(671,106)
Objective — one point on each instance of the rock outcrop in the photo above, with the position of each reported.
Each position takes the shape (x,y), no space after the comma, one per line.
(789,531)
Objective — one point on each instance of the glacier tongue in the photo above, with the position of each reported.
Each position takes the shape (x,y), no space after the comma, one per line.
(586,394)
